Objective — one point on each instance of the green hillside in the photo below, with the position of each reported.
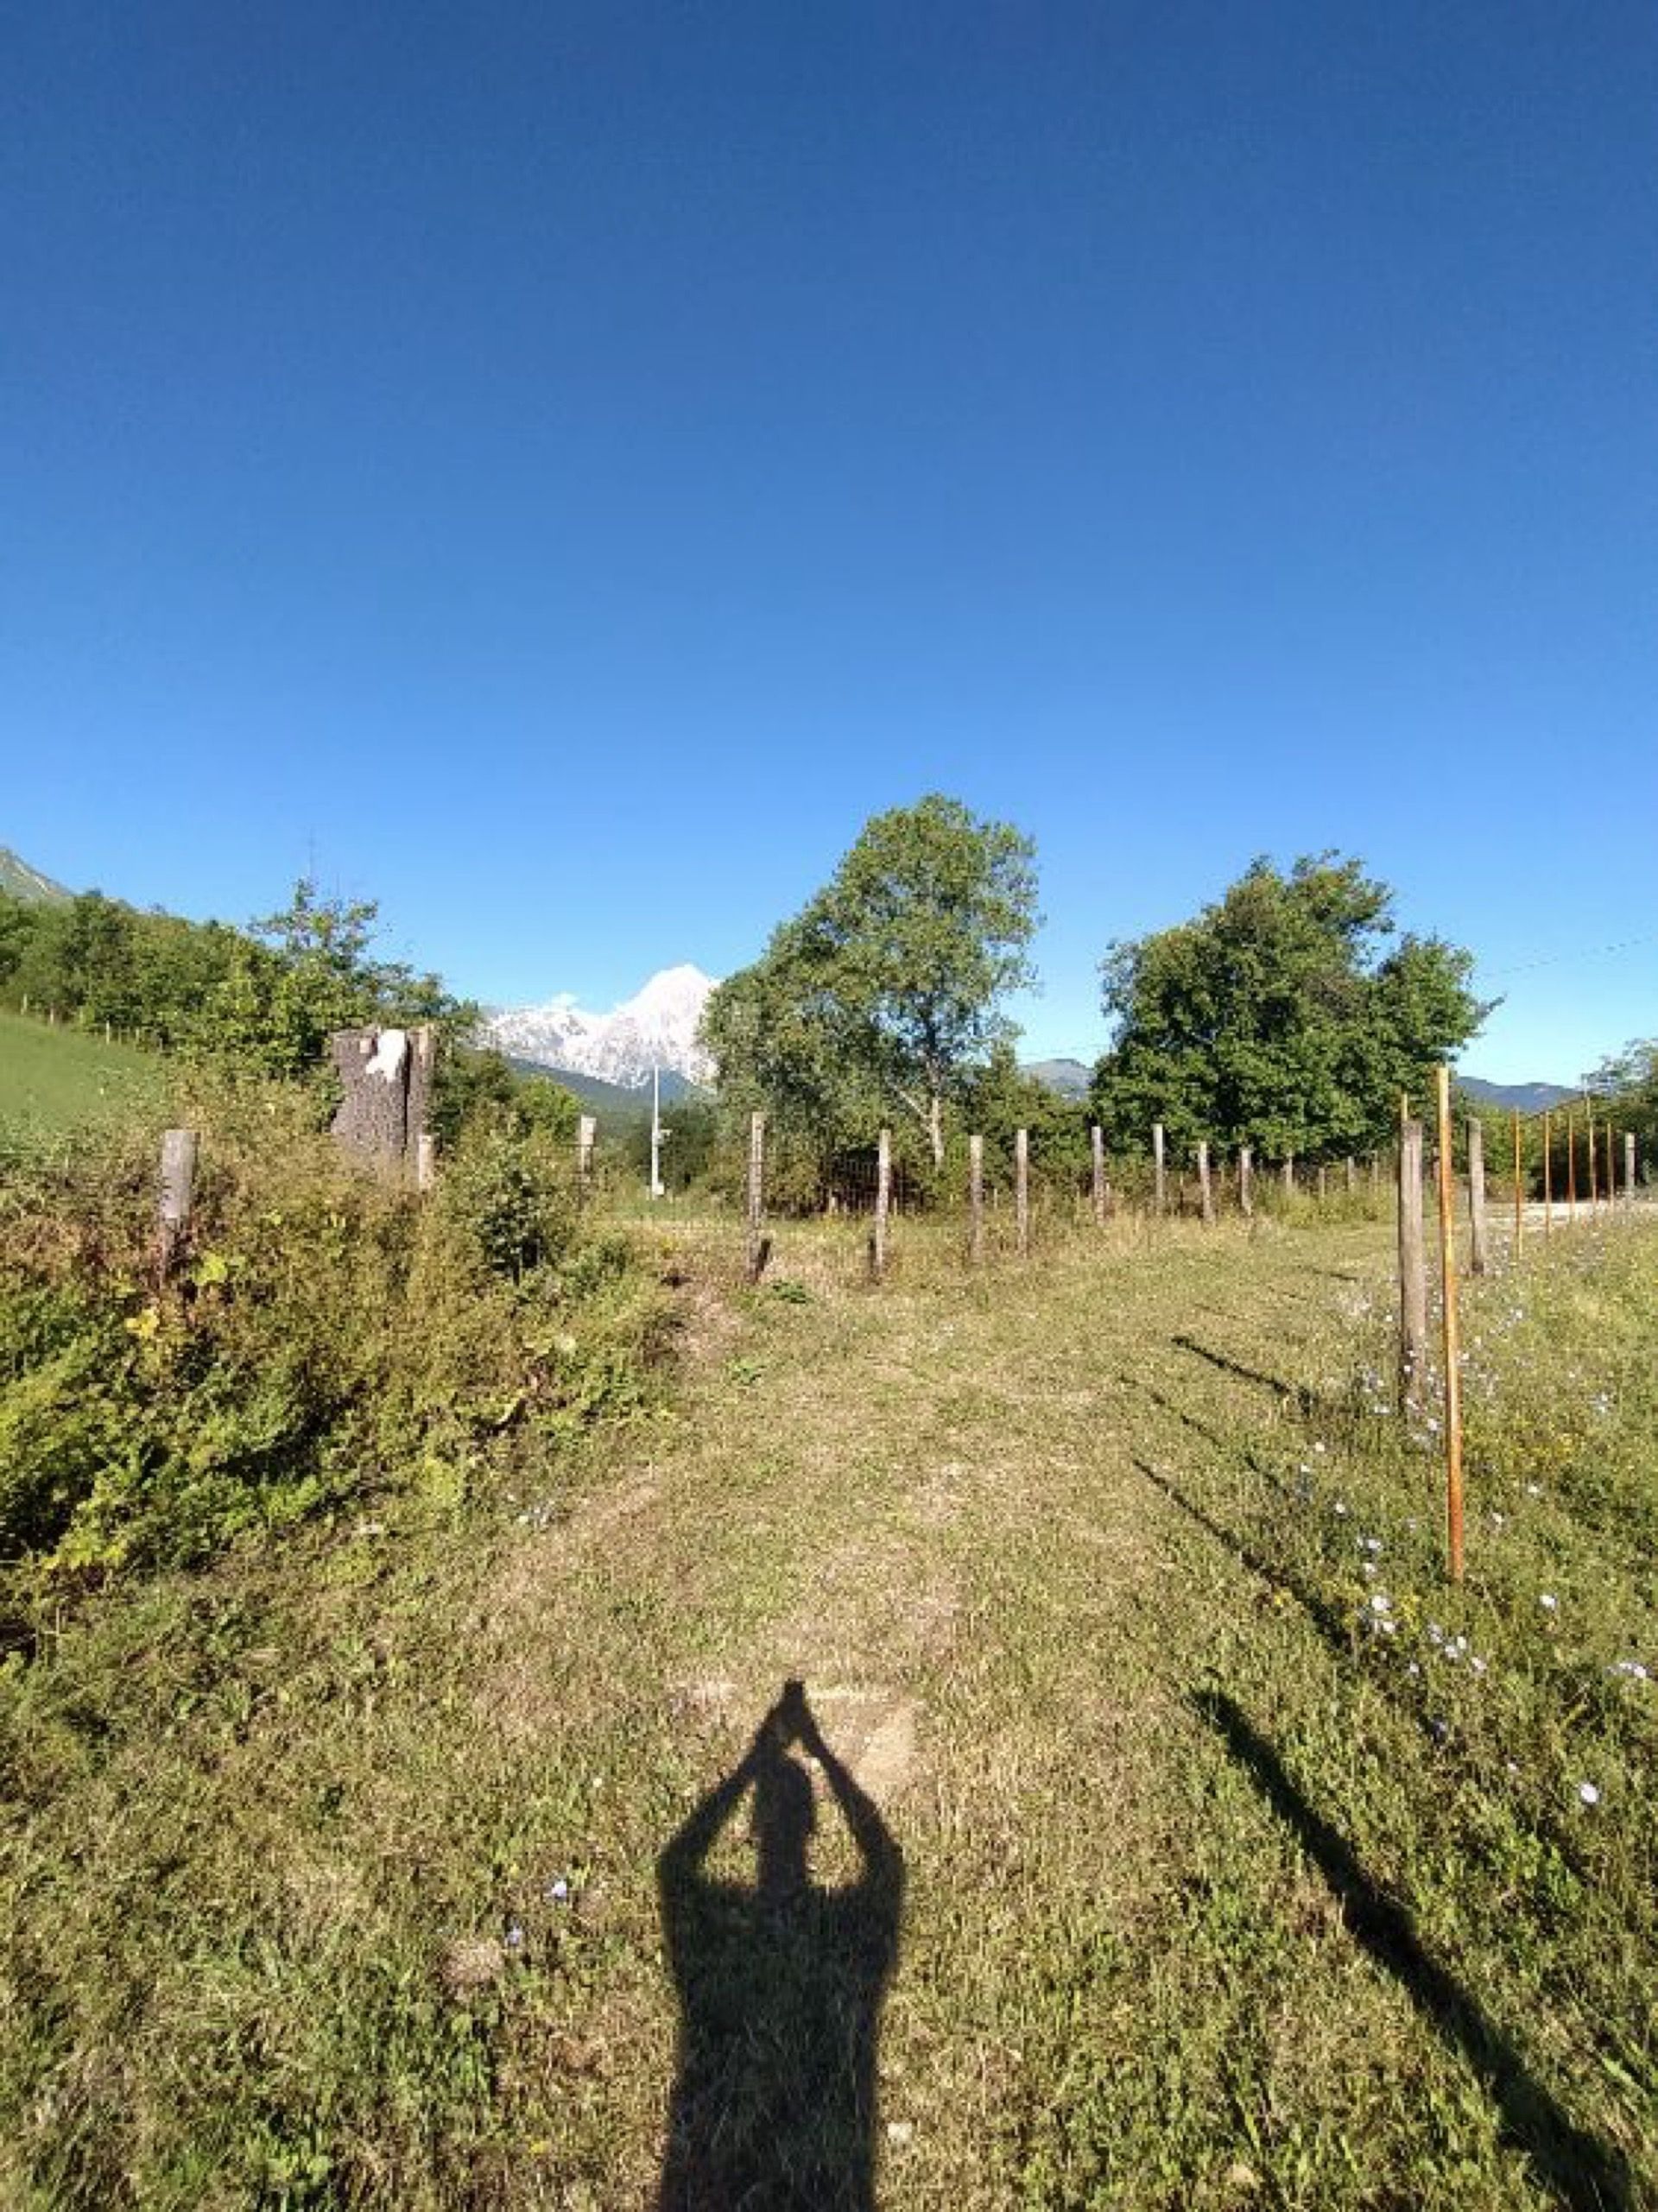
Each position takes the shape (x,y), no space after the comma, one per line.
(52,1080)
(19,880)
(609,1100)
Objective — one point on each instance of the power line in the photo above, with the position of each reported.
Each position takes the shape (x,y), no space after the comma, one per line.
(1583,952)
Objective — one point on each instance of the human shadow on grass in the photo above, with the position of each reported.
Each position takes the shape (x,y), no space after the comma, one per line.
(1576,2169)
(780,1986)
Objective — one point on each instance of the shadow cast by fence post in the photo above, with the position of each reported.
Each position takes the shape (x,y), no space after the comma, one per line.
(1329,1623)
(781,1985)
(1306,1400)
(1577,2170)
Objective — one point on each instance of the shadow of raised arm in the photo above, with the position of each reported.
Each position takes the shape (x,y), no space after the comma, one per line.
(883,1862)
(682,1856)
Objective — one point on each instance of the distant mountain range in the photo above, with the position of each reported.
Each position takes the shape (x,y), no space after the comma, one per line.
(607,1059)
(1519,1097)
(19,880)
(656,1028)
(610,1099)
(1069,1078)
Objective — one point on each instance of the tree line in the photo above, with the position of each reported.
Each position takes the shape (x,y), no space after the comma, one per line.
(265,997)
(1287,1015)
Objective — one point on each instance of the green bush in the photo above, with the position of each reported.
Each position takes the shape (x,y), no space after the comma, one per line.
(512,1194)
(325,1336)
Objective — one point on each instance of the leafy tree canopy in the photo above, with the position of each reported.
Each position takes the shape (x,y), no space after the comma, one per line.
(884,989)
(1001,1098)
(1288,1016)
(1630,1080)
(263,1000)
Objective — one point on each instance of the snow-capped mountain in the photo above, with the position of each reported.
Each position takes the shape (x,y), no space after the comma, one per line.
(657,1027)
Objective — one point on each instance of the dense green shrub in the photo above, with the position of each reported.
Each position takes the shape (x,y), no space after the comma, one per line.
(326,1337)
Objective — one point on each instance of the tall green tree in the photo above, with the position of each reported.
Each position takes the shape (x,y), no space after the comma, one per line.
(1288,1015)
(886,989)
(306,972)
(1630,1080)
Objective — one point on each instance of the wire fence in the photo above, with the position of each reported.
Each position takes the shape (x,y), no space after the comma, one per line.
(870,1212)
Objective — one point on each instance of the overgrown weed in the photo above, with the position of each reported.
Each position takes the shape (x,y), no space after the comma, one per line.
(325,1338)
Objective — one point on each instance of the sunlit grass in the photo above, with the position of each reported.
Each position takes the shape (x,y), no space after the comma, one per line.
(57,1080)
(1220,1891)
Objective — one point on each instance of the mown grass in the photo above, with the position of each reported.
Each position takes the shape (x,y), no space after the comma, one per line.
(57,1080)
(331,1876)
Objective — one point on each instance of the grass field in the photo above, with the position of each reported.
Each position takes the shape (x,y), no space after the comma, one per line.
(53,1080)
(1188,1843)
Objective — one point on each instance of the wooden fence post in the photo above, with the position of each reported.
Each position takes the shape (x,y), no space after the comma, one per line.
(1158,1185)
(1412,1266)
(426,1160)
(1206,1191)
(1519,1190)
(178,1192)
(756,1240)
(1021,1191)
(1452,1347)
(883,1203)
(1323,1183)
(1245,1177)
(1548,1182)
(586,1130)
(976,1201)
(1478,1251)
(1351,1167)
(1571,1169)
(1628,1169)
(1289,1173)
(1096,1140)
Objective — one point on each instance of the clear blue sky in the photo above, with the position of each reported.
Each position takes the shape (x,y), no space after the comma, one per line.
(559,470)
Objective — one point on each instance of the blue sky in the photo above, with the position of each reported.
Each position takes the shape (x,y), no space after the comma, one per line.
(559,470)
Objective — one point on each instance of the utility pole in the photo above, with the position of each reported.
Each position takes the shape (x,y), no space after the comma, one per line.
(655,1132)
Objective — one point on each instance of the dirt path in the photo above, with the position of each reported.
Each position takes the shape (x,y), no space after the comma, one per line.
(420,1869)
(931,1509)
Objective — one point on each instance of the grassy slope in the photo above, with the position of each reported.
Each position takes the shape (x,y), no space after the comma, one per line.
(1042,1548)
(56,1079)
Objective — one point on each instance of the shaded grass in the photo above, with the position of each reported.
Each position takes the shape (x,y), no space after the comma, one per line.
(281,1882)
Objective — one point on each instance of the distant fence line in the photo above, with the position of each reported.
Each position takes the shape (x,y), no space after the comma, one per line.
(386,1075)
(1197,1182)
